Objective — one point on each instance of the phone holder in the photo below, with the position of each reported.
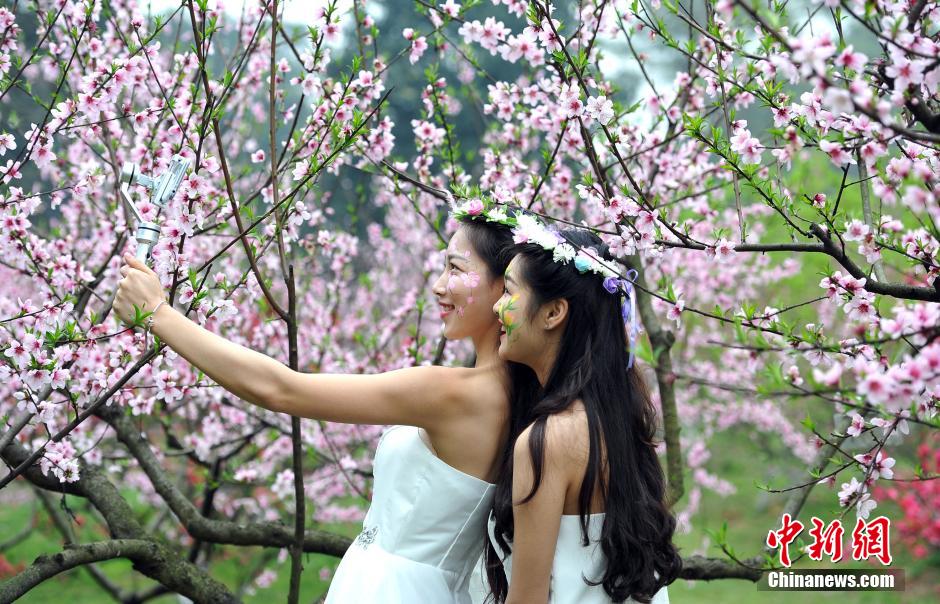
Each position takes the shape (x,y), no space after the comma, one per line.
(162,189)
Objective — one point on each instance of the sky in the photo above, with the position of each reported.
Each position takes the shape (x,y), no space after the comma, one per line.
(295,11)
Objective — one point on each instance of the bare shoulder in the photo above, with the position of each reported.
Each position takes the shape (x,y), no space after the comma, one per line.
(566,438)
(464,388)
(423,375)
(450,383)
(569,430)
(482,388)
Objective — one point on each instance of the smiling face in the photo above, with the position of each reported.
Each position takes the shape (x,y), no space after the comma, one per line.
(528,336)
(465,291)
(517,339)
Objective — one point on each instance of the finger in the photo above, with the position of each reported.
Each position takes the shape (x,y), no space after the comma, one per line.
(135,262)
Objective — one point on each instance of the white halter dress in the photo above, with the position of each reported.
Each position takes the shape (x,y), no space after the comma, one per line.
(572,563)
(422,534)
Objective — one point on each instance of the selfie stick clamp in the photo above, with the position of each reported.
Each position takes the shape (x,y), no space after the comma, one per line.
(162,189)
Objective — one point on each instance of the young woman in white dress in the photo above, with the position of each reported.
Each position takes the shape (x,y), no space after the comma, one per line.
(579,514)
(433,470)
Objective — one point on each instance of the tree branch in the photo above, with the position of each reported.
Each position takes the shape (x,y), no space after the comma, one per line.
(267,534)
(61,522)
(47,566)
(897,290)
(700,568)
(15,454)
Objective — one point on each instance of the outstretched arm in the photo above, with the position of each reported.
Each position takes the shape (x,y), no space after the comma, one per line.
(419,396)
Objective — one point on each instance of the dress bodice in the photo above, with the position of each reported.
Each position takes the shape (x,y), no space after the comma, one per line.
(574,562)
(422,508)
(423,532)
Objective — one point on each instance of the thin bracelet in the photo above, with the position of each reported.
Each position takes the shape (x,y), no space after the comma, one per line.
(152,315)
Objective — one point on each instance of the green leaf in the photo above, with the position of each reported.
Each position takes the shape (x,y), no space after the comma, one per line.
(739,335)
(645,353)
(809,423)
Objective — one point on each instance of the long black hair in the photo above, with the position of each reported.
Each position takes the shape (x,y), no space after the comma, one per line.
(591,366)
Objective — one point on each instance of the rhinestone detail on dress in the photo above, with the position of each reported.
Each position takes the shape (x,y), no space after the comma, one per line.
(366,537)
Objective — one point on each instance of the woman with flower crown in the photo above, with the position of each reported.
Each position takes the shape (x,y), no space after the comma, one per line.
(434,469)
(579,513)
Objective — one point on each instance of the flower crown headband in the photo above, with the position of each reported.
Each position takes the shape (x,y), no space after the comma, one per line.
(481,208)
(528,229)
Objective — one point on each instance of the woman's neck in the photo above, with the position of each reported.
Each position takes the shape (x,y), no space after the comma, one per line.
(487,347)
(543,365)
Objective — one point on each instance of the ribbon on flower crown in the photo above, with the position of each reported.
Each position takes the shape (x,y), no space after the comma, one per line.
(627,307)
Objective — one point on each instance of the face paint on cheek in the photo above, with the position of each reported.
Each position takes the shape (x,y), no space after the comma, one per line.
(453,280)
(507,314)
(470,279)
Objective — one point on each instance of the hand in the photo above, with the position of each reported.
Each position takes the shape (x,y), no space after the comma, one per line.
(140,286)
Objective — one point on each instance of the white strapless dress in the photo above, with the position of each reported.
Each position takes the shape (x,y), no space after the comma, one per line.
(422,534)
(572,563)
